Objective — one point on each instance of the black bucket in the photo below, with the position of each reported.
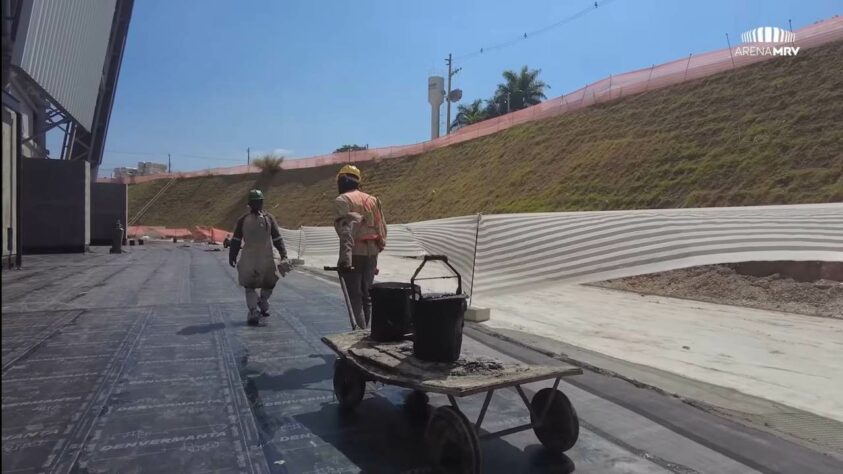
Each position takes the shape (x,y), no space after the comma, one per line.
(438,323)
(438,320)
(392,310)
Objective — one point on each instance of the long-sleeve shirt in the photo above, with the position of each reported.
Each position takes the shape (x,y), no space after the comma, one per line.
(347,223)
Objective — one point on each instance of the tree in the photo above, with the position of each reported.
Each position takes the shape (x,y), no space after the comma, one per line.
(346,148)
(269,163)
(520,90)
(469,114)
(495,108)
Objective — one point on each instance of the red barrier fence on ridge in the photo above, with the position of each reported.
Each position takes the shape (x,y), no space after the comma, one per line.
(210,234)
(197,233)
(608,89)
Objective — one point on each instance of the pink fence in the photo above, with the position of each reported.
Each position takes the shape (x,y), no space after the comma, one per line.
(210,234)
(608,89)
(198,233)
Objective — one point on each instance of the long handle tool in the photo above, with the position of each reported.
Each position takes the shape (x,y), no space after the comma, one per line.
(344,293)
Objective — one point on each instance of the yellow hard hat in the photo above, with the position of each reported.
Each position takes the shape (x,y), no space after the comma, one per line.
(351,170)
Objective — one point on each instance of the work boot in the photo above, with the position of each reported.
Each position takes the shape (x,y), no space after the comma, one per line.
(253,318)
(264,308)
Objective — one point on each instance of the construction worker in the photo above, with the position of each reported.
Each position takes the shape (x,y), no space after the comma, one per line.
(361,227)
(264,256)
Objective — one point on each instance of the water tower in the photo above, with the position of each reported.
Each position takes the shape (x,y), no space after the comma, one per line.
(435,95)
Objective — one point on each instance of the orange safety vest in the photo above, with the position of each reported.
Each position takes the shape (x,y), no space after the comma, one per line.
(365,205)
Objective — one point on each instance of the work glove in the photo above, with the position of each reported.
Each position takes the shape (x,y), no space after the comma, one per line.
(285,267)
(343,265)
(233,251)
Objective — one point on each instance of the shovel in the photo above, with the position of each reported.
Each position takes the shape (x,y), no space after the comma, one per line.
(344,293)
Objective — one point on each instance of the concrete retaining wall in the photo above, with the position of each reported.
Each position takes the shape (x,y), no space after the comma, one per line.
(55,206)
(109,202)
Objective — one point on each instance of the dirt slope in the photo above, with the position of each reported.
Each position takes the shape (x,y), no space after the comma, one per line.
(771,133)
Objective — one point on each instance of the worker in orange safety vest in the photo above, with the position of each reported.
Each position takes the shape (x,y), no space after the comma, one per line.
(361,227)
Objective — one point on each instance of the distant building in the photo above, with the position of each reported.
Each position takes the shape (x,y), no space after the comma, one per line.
(148,168)
(144,169)
(124,172)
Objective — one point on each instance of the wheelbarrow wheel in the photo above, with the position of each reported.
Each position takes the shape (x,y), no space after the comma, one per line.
(349,384)
(560,428)
(417,408)
(452,442)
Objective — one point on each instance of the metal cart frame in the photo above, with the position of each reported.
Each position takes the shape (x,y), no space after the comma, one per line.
(453,441)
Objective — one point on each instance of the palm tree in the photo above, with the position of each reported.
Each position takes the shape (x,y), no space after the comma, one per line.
(469,114)
(520,90)
(495,107)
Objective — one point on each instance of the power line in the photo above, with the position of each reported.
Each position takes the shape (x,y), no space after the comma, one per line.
(531,34)
(115,152)
(183,155)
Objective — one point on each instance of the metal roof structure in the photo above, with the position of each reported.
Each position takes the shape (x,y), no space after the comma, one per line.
(62,47)
(66,58)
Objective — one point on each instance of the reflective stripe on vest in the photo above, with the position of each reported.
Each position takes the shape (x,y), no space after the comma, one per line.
(365,205)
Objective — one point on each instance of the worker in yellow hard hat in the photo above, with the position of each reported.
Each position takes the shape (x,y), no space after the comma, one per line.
(361,227)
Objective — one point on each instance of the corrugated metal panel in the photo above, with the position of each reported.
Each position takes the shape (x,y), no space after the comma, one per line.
(63,50)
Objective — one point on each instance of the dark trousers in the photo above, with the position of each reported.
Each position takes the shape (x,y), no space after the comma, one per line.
(357,283)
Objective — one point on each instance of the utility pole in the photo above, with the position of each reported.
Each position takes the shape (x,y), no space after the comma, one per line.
(448,97)
(729,43)
(248,157)
(790,26)
(169,163)
(451,73)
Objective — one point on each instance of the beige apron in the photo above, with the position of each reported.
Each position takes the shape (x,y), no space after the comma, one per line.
(258,265)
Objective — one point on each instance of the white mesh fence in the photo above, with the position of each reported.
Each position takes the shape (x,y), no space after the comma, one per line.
(508,252)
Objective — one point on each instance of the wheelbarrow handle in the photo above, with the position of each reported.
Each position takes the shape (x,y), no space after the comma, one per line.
(338,269)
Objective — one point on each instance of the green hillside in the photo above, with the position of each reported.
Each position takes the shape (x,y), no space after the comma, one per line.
(771,133)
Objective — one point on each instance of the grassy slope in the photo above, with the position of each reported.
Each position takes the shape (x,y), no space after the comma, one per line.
(140,195)
(771,133)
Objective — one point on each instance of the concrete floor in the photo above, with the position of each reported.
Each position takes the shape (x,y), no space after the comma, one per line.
(791,359)
(142,362)
(776,369)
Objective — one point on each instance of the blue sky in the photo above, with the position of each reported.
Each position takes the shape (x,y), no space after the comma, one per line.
(204,80)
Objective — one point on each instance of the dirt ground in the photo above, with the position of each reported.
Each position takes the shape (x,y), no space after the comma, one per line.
(721,284)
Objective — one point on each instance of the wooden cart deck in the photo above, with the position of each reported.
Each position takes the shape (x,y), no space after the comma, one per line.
(393,363)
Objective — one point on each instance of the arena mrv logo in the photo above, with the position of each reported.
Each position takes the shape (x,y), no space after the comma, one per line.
(767,41)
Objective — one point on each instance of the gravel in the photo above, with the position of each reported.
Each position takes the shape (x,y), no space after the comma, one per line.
(481,366)
(721,284)
(462,367)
